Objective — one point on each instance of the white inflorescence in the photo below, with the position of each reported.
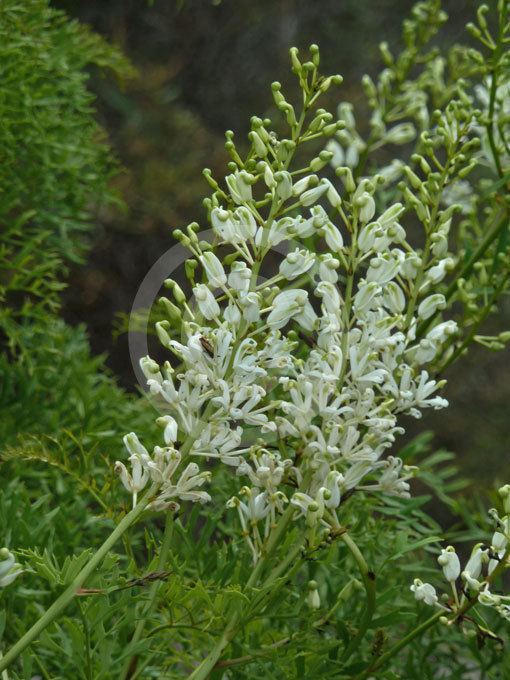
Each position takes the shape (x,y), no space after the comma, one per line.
(298,380)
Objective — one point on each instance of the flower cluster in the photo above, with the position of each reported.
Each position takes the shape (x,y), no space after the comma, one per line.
(9,568)
(296,373)
(478,574)
(160,469)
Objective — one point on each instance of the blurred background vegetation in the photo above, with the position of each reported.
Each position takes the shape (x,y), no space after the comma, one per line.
(203,67)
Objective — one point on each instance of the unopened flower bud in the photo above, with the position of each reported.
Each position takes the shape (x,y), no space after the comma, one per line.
(313,598)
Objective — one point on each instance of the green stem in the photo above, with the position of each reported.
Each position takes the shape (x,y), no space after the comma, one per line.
(241,660)
(272,544)
(493,91)
(262,600)
(211,661)
(86,630)
(207,665)
(291,558)
(128,668)
(368,578)
(70,592)
(384,658)
(202,672)
(5,675)
(341,597)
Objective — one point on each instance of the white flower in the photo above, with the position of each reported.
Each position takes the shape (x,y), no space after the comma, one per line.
(477,559)
(333,196)
(437,273)
(239,277)
(410,266)
(239,185)
(250,306)
(135,447)
(391,172)
(296,263)
(214,270)
(366,295)
(283,184)
(185,489)
(333,237)
(488,599)
(424,592)
(223,225)
(338,157)
(400,134)
(431,305)
(246,226)
(150,369)
(136,480)
(332,484)
(498,544)
(471,582)
(286,305)
(328,266)
(366,204)
(163,463)
(383,268)
(9,568)
(390,481)
(170,428)
(206,301)
(324,352)
(303,184)
(311,508)
(311,196)
(450,563)
(368,235)
(393,297)
(258,506)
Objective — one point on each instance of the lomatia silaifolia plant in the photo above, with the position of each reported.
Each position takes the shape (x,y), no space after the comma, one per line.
(335,286)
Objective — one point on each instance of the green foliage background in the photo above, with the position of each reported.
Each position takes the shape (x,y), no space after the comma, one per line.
(58,403)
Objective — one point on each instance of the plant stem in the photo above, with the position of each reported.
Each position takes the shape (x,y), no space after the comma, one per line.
(86,630)
(207,665)
(493,91)
(202,672)
(128,668)
(227,663)
(70,592)
(272,544)
(5,675)
(368,578)
(264,599)
(381,661)
(346,311)
(341,597)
